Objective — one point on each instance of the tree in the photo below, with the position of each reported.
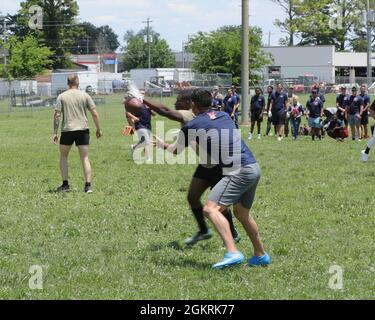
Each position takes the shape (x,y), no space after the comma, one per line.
(59,27)
(26,58)
(289,25)
(220,52)
(331,22)
(109,36)
(136,51)
(86,42)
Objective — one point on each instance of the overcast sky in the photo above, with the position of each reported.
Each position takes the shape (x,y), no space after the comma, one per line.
(175,20)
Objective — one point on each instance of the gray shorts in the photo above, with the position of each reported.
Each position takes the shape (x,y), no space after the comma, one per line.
(239,188)
(354,120)
(144,136)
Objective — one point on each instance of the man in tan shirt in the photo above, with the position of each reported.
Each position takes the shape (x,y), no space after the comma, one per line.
(73,105)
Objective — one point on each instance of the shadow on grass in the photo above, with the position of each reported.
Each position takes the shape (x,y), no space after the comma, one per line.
(172,245)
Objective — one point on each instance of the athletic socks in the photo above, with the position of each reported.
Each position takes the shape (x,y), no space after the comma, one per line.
(88,184)
(65,183)
(198,214)
(367,151)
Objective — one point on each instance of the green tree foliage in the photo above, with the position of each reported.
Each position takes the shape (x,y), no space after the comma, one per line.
(288,25)
(59,27)
(95,40)
(136,51)
(220,52)
(26,58)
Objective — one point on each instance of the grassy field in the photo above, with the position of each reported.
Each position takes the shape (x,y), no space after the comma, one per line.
(314,207)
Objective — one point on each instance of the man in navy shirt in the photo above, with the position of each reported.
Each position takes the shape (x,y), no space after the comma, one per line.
(341,103)
(218,141)
(269,115)
(230,103)
(278,107)
(217,101)
(204,177)
(366,105)
(354,111)
(315,110)
(256,112)
(142,125)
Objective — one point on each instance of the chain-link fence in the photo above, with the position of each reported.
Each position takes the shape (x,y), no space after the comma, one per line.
(25,95)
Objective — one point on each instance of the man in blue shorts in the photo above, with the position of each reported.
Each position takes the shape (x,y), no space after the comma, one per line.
(216,137)
(354,110)
(315,110)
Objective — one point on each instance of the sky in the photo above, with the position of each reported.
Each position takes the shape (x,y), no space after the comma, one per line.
(174,20)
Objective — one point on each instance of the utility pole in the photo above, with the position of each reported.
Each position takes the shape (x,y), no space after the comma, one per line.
(369,21)
(5,37)
(148,21)
(245,63)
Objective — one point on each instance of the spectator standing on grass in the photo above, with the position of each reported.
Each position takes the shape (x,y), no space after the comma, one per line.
(257,106)
(269,115)
(366,104)
(354,111)
(230,102)
(291,98)
(341,102)
(315,109)
(278,107)
(217,99)
(72,106)
(296,112)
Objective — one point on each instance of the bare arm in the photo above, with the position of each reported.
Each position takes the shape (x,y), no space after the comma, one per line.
(164,111)
(95,117)
(56,124)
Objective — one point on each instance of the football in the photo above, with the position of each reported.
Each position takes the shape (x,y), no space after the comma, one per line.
(132,104)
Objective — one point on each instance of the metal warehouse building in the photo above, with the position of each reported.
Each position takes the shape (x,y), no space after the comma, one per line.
(321,61)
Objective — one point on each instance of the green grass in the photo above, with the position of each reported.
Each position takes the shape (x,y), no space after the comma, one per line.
(314,207)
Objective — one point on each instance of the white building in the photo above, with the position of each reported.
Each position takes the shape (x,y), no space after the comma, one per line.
(321,61)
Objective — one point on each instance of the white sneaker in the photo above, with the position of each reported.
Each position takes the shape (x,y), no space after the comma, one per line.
(279,138)
(364,156)
(250,136)
(259,136)
(270,134)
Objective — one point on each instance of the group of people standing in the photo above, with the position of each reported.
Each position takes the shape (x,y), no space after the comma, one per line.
(285,112)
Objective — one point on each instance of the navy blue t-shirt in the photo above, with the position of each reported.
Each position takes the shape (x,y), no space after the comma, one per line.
(315,107)
(354,104)
(342,100)
(217,135)
(257,103)
(144,116)
(366,99)
(279,99)
(229,103)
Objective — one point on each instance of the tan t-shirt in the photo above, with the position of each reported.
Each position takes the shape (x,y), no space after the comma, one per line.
(187,115)
(73,104)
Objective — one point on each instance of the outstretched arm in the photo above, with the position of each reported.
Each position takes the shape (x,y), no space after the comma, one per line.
(95,117)
(163,110)
(56,124)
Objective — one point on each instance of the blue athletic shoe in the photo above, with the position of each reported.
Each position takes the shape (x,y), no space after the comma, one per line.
(259,261)
(230,259)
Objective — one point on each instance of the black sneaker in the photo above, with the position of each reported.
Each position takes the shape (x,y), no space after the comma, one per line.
(88,189)
(63,188)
